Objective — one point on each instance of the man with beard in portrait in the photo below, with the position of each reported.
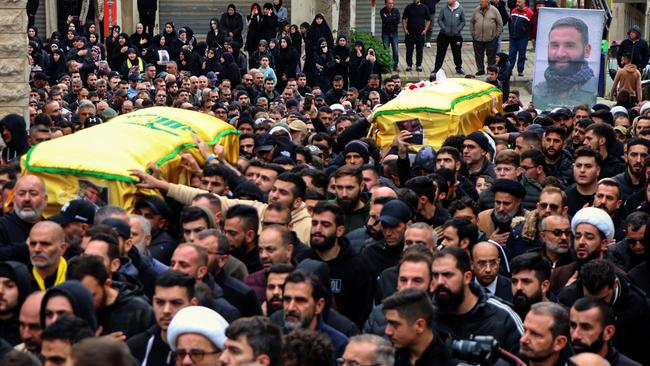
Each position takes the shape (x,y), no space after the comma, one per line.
(530,281)
(568,79)
(462,308)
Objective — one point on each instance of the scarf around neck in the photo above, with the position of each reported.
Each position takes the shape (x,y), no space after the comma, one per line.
(60,275)
(573,75)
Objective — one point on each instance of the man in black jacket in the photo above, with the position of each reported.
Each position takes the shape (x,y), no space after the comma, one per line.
(235,291)
(410,328)
(598,278)
(147,10)
(118,307)
(416,20)
(29,201)
(463,308)
(174,291)
(154,209)
(389,23)
(592,328)
(349,278)
(636,47)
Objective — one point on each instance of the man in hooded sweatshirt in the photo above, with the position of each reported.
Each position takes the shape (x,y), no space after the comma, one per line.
(68,298)
(627,78)
(15,286)
(14,135)
(636,47)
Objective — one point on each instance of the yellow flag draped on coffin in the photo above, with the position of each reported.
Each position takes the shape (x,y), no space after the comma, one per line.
(94,163)
(445,108)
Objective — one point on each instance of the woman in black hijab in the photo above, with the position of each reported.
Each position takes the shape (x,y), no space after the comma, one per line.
(253,35)
(323,65)
(342,59)
(232,23)
(230,70)
(286,63)
(317,30)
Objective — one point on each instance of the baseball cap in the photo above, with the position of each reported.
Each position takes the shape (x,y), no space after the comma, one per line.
(156,204)
(394,213)
(79,210)
(123,229)
(298,125)
(561,112)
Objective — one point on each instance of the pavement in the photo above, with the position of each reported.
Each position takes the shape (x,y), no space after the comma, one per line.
(522,83)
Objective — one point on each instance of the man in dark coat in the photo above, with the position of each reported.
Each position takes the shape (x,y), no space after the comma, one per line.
(636,47)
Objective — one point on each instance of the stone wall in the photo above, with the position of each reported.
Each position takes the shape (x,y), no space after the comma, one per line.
(14,68)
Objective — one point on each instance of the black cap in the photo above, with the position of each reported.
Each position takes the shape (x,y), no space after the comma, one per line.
(263,143)
(121,93)
(131,50)
(123,229)
(249,190)
(394,213)
(113,74)
(561,112)
(156,204)
(63,77)
(509,186)
(79,210)
(525,116)
(40,76)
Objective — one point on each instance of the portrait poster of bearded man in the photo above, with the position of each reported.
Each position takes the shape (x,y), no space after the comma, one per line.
(567,61)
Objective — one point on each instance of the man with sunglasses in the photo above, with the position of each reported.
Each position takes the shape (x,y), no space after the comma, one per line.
(629,252)
(552,201)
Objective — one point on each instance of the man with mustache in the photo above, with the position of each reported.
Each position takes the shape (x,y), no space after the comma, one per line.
(599,279)
(530,281)
(303,299)
(496,222)
(568,79)
(600,137)
(349,279)
(592,230)
(608,199)
(174,291)
(348,182)
(463,308)
(556,238)
(630,252)
(559,161)
(275,276)
(360,237)
(593,327)
(633,178)
(15,286)
(46,245)
(527,234)
(29,201)
(544,343)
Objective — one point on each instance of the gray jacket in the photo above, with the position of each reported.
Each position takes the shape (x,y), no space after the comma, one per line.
(451,22)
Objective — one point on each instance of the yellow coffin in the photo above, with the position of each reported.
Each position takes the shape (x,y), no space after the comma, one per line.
(94,163)
(440,109)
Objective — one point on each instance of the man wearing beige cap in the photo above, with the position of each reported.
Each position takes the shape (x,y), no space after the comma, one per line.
(298,130)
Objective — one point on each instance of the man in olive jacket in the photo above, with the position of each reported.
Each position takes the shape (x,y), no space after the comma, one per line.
(485,26)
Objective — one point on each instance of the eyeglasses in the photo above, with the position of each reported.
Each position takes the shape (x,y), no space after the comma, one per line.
(560,232)
(485,263)
(544,206)
(196,355)
(344,362)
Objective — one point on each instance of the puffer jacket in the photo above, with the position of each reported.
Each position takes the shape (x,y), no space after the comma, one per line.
(486,24)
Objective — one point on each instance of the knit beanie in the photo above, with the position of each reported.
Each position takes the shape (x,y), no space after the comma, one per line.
(480,139)
(359,147)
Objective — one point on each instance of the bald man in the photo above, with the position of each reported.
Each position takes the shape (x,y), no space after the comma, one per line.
(486,261)
(29,201)
(589,359)
(30,324)
(46,244)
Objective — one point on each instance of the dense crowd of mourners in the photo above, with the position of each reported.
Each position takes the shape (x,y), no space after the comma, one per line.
(317,247)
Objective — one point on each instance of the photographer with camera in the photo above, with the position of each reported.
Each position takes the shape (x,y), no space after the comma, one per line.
(463,308)
(409,327)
